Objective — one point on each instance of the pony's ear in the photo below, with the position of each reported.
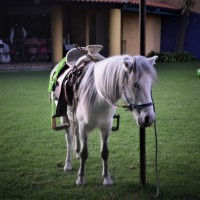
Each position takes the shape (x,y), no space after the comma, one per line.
(152,60)
(127,64)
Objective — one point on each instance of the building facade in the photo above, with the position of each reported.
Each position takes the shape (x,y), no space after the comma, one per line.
(111,23)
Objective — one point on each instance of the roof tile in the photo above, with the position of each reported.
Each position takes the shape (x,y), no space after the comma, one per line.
(149,3)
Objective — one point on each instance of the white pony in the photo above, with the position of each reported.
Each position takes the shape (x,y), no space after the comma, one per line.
(103,84)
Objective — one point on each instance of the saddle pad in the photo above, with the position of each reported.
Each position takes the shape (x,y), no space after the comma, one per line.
(54,75)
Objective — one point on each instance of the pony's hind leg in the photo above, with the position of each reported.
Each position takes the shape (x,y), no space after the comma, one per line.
(74,130)
(72,138)
(69,143)
(76,140)
(105,155)
(83,156)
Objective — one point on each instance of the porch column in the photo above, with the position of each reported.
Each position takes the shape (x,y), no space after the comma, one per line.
(115,32)
(57,33)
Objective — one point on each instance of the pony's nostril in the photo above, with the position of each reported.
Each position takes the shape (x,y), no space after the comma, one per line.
(147,120)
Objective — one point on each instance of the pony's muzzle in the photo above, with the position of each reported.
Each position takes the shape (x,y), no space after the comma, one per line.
(146,120)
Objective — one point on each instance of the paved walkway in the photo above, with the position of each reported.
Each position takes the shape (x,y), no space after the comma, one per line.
(25,66)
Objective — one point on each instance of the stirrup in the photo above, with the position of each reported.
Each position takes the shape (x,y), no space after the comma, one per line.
(116,128)
(59,127)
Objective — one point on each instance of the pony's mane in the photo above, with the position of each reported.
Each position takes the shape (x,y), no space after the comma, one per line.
(107,77)
(87,91)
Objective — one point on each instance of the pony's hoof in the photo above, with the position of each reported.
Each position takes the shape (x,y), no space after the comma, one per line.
(80,181)
(107,181)
(68,167)
(77,156)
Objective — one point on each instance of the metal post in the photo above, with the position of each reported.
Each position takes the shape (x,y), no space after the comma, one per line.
(142,157)
(142,24)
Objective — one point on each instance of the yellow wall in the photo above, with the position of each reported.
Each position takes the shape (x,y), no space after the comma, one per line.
(130,33)
(115,32)
(153,33)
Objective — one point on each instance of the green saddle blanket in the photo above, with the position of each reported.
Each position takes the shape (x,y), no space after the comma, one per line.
(54,76)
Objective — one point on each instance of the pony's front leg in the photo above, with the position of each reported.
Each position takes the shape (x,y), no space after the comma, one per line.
(105,155)
(83,157)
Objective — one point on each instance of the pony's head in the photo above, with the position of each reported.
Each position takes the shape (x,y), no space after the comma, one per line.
(139,77)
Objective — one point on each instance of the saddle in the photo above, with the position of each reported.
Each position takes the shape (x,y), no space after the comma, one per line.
(66,77)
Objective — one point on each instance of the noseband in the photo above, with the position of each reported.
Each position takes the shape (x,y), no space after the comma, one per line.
(132,106)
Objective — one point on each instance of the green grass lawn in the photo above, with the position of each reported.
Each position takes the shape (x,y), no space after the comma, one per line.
(30,151)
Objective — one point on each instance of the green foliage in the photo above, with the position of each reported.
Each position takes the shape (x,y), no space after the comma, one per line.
(31,154)
(168,57)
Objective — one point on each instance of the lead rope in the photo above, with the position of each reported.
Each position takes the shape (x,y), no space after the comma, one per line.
(156,157)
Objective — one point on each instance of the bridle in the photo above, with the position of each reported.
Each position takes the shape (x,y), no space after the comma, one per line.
(132,106)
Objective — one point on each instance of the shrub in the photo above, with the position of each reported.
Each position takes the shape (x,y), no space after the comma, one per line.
(168,57)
